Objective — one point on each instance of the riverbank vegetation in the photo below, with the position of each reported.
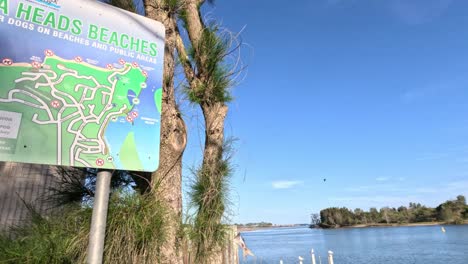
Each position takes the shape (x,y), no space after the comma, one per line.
(450,212)
(261,224)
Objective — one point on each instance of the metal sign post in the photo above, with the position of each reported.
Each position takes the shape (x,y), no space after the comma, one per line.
(98,221)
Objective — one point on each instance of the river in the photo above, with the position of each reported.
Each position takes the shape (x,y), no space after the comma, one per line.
(379,245)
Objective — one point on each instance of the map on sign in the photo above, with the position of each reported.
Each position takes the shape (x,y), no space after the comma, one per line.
(85,100)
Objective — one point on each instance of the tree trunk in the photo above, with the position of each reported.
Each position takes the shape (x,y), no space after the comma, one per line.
(213,170)
(214,115)
(166,182)
(211,177)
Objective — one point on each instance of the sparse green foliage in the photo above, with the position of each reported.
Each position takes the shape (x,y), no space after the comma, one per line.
(208,55)
(209,196)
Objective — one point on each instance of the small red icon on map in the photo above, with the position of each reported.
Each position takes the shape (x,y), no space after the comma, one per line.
(134,114)
(144,73)
(49,53)
(55,104)
(109,66)
(78,59)
(121,61)
(135,65)
(36,64)
(7,61)
(129,118)
(99,162)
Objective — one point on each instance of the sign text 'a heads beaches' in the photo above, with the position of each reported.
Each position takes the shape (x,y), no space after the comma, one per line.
(49,21)
(80,85)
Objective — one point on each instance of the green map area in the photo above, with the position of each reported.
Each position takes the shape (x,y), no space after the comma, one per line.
(65,107)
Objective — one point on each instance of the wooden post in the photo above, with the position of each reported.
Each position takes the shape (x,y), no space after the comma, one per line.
(330,257)
(312,255)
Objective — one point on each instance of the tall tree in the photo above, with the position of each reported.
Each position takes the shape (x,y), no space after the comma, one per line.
(166,182)
(209,79)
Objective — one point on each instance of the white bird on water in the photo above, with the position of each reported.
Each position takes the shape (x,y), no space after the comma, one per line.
(443,229)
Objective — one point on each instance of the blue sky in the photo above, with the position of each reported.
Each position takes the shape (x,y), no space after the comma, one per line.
(370,95)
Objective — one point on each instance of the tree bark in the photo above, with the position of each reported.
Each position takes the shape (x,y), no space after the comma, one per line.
(166,182)
(195,28)
(214,115)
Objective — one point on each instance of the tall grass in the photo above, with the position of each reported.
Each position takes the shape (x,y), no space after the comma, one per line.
(133,234)
(209,196)
(44,240)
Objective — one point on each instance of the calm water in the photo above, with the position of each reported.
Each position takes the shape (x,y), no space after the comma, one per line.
(392,245)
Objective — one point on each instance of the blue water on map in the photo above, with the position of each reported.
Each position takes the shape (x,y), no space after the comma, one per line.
(20,49)
(130,95)
(388,245)
(145,143)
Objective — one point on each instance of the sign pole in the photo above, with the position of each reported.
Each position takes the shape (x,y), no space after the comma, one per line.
(99,218)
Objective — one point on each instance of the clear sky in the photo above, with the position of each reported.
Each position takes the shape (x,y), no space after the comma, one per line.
(370,95)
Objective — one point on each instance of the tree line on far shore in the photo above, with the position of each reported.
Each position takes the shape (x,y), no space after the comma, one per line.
(261,224)
(451,212)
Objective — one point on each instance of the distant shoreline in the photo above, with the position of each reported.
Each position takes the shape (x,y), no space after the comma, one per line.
(392,225)
(255,228)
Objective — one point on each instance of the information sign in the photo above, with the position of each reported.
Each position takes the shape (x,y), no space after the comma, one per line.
(80,85)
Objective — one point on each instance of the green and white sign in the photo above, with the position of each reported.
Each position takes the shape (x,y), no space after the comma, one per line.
(80,85)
